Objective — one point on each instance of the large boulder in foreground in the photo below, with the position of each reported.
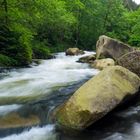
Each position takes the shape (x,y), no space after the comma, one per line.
(102,63)
(107,47)
(131,61)
(87,59)
(74,51)
(97,97)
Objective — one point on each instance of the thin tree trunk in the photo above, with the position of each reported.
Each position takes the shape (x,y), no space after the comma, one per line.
(78,29)
(107,14)
(6,11)
(77,36)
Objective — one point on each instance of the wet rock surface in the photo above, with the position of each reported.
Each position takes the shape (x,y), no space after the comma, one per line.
(74,51)
(131,61)
(107,47)
(102,63)
(97,97)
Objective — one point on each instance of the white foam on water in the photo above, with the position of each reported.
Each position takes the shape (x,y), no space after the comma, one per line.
(39,80)
(36,133)
(5,109)
(132,134)
(129,112)
(117,136)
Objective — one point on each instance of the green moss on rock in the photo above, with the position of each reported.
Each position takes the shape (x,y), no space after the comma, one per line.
(97,97)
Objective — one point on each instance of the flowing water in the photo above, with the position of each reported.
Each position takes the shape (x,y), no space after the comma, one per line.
(28,97)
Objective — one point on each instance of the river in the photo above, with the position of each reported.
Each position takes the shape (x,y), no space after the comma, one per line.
(33,93)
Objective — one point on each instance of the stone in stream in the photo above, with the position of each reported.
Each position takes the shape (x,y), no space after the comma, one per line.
(102,63)
(74,51)
(87,59)
(107,47)
(97,97)
(15,120)
(131,61)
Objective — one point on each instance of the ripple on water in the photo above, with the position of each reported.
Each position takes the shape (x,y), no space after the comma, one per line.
(40,80)
(5,109)
(117,136)
(36,133)
(132,134)
(131,111)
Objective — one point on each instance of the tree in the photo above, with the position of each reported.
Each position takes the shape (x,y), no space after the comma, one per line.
(33,29)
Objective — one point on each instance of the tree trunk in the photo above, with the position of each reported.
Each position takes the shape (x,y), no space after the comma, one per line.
(106,16)
(6,11)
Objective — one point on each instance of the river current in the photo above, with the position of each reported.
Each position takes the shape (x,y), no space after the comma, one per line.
(39,89)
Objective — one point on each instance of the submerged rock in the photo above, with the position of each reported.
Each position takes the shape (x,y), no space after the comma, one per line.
(131,61)
(107,47)
(103,63)
(14,120)
(74,51)
(97,97)
(87,59)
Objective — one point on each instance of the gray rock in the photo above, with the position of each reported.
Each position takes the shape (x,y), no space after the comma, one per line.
(97,97)
(131,61)
(74,51)
(87,59)
(107,47)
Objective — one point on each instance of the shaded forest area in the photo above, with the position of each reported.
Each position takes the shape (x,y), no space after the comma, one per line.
(36,28)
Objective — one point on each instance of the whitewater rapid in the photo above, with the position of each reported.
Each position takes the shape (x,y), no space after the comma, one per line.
(42,79)
(38,81)
(51,75)
(36,133)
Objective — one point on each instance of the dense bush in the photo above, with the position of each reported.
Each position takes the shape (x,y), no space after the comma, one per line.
(12,48)
(36,28)
(7,61)
(40,51)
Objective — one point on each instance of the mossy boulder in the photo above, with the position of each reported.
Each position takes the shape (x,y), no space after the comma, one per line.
(107,47)
(131,61)
(102,63)
(87,59)
(74,51)
(97,97)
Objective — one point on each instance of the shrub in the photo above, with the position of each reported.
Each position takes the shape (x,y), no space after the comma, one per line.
(13,46)
(7,61)
(40,51)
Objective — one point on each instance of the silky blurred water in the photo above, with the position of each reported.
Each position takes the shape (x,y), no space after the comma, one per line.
(39,80)
(62,75)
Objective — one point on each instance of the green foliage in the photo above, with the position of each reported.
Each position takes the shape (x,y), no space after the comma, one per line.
(13,47)
(59,47)
(133,18)
(23,54)
(37,27)
(40,51)
(6,61)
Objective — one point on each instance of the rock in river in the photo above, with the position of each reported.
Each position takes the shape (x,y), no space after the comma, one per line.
(107,47)
(103,63)
(87,59)
(14,120)
(131,61)
(74,51)
(97,97)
